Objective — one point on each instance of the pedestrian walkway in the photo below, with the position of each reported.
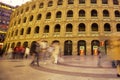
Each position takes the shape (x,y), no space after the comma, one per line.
(72,68)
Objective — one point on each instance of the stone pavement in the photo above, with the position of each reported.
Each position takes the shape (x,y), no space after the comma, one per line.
(72,68)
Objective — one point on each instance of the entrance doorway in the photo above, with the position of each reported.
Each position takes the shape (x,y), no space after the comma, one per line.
(94,47)
(81,47)
(68,47)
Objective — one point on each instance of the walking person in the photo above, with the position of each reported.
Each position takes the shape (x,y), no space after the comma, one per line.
(118,68)
(44,46)
(9,53)
(35,50)
(55,53)
(99,58)
(27,52)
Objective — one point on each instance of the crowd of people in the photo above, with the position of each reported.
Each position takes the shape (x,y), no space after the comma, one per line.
(19,52)
(39,49)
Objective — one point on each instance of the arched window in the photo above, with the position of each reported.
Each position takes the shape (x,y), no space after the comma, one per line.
(16,32)
(93,1)
(58,14)
(81,1)
(27,9)
(39,17)
(57,28)
(117,14)
(41,5)
(115,2)
(46,29)
(48,16)
(104,1)
(105,13)
(69,28)
(118,27)
(15,23)
(24,20)
(50,3)
(12,33)
(81,13)
(94,27)
(31,18)
(70,1)
(19,21)
(60,2)
(70,13)
(33,7)
(28,30)
(81,27)
(21,11)
(107,27)
(36,29)
(94,13)
(21,31)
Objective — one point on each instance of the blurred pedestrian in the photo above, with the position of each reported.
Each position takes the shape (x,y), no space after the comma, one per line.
(9,53)
(118,68)
(56,52)
(35,50)
(27,52)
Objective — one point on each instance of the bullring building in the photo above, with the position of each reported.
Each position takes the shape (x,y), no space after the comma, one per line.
(78,25)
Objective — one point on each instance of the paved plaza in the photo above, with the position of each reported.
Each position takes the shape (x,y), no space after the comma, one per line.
(72,68)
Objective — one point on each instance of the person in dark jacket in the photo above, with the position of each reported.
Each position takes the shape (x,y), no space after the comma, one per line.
(35,50)
(118,68)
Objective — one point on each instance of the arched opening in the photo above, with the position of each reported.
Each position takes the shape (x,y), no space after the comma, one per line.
(28,30)
(70,13)
(70,1)
(81,47)
(94,27)
(41,5)
(68,47)
(81,27)
(24,20)
(94,13)
(57,28)
(50,3)
(105,13)
(118,27)
(94,47)
(46,29)
(69,28)
(117,14)
(48,16)
(36,30)
(107,27)
(25,44)
(81,13)
(21,31)
(31,18)
(39,17)
(60,2)
(58,14)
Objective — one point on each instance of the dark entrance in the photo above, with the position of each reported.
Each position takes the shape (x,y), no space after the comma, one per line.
(68,47)
(94,47)
(81,47)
